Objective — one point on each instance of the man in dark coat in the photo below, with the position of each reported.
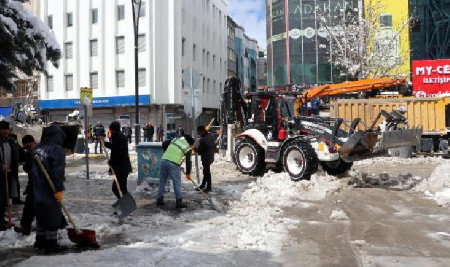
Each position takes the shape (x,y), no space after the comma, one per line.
(206,149)
(151,131)
(9,169)
(48,211)
(29,144)
(120,160)
(160,133)
(179,132)
(128,132)
(99,133)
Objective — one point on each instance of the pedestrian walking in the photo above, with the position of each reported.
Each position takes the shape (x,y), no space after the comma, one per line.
(179,132)
(120,159)
(160,133)
(206,149)
(174,152)
(46,203)
(99,133)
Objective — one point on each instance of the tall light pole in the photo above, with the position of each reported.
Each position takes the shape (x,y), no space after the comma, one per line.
(136,6)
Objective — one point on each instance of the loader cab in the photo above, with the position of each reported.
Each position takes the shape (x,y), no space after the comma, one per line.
(268,111)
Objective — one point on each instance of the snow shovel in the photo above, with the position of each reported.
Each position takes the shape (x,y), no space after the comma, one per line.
(126,204)
(214,203)
(81,237)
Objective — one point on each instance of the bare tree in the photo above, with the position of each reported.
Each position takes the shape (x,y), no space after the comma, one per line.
(361,42)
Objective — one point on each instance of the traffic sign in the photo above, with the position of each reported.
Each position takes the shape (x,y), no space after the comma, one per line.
(192,95)
(191,78)
(86,96)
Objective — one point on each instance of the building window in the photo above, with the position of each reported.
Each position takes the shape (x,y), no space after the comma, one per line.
(141,42)
(68,47)
(207,59)
(231,55)
(120,78)
(120,45)
(203,57)
(50,21)
(69,19)
(69,82)
(214,61)
(93,48)
(94,16)
(194,48)
(93,80)
(386,20)
(49,83)
(183,46)
(120,12)
(141,77)
(142,10)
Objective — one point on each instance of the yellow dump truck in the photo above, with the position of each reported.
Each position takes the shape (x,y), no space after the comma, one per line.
(433,114)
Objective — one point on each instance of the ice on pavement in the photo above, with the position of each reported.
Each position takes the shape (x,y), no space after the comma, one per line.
(254,224)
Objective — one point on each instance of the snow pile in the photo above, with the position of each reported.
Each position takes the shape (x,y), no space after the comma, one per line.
(437,186)
(397,160)
(11,239)
(338,215)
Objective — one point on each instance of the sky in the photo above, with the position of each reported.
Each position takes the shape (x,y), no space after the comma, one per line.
(251,14)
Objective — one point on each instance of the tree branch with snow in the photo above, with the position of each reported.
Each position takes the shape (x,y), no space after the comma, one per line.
(26,43)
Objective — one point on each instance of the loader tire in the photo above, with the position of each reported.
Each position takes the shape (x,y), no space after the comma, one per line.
(300,160)
(336,167)
(249,157)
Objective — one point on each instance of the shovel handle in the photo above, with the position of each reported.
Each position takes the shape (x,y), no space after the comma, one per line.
(44,171)
(112,170)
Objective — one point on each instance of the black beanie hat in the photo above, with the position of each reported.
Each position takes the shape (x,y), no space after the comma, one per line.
(4,125)
(115,126)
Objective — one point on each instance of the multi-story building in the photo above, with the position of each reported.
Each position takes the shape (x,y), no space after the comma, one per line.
(231,51)
(391,33)
(294,36)
(261,70)
(97,40)
(429,29)
(246,53)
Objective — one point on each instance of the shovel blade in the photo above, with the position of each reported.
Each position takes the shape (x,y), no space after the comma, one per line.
(125,205)
(83,237)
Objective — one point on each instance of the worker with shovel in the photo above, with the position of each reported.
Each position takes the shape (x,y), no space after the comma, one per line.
(9,171)
(48,210)
(174,152)
(120,160)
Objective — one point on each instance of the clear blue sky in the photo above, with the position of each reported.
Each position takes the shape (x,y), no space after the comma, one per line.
(251,14)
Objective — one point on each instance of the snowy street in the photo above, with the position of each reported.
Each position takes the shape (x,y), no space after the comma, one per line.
(366,218)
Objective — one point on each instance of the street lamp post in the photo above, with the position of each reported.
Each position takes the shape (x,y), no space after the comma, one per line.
(136,6)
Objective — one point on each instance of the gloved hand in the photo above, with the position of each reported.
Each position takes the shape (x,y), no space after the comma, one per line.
(59,195)
(188,176)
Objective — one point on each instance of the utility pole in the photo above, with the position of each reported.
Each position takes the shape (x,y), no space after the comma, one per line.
(136,6)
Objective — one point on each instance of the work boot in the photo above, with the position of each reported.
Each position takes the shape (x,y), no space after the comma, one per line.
(52,246)
(160,202)
(23,230)
(40,242)
(179,204)
(206,190)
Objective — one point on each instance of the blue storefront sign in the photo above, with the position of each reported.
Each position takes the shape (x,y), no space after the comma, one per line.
(98,102)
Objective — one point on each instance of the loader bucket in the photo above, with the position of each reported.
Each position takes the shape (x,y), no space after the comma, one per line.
(363,145)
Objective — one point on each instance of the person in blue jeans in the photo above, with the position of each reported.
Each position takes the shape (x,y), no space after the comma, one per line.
(174,152)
